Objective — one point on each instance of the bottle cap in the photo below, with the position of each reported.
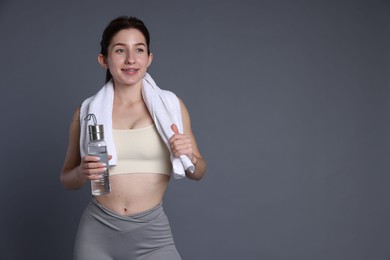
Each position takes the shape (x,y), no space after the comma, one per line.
(96,132)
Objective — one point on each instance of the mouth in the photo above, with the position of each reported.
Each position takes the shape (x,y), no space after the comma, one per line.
(130,70)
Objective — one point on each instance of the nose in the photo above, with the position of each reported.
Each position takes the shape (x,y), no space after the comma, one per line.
(130,58)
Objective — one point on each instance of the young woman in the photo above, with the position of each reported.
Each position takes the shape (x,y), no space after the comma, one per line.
(129,222)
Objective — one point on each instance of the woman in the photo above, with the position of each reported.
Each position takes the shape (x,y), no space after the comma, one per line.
(129,222)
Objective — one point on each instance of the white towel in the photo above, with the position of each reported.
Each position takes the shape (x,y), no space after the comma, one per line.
(163,105)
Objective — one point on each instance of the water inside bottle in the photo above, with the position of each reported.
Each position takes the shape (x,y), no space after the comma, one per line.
(101,186)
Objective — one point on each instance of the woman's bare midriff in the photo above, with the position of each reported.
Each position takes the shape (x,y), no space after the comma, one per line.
(134,193)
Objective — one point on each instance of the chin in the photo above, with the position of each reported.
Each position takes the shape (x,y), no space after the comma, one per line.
(127,82)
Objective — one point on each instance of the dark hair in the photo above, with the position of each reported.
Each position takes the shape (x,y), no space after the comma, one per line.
(120,23)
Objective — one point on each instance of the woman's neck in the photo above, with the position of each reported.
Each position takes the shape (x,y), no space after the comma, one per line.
(127,95)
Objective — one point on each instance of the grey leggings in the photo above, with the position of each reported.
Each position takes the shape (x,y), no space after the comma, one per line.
(106,235)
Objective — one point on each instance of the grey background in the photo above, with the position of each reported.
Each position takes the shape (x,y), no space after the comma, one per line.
(289,102)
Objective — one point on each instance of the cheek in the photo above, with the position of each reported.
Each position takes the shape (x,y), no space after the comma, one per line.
(114,62)
(143,62)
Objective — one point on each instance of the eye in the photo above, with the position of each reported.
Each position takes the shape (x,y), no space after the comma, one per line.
(120,50)
(139,50)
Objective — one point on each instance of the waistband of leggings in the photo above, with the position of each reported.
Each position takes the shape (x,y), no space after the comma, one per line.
(137,217)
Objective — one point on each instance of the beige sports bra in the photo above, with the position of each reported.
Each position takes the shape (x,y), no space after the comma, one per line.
(140,150)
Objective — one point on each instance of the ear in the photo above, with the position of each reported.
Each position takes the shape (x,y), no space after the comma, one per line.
(150,59)
(102,61)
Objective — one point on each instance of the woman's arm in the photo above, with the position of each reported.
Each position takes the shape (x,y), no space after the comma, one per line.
(76,170)
(185,144)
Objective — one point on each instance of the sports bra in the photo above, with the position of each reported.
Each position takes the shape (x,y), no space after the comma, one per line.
(140,150)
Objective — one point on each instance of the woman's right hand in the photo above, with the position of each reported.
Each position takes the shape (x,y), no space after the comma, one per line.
(91,168)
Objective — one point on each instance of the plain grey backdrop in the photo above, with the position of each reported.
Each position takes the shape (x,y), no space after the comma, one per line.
(289,102)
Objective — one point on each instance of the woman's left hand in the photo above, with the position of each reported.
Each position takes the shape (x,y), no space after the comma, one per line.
(180,144)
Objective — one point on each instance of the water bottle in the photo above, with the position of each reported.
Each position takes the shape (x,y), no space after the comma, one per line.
(98,147)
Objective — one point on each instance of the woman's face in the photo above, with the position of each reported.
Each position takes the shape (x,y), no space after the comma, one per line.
(127,57)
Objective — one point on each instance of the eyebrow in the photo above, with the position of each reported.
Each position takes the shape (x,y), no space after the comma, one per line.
(122,44)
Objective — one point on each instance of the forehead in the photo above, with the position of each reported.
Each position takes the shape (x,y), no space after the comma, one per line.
(128,36)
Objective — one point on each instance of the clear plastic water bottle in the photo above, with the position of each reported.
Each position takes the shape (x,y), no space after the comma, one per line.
(98,147)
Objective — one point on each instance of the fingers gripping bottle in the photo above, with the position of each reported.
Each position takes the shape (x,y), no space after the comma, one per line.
(98,147)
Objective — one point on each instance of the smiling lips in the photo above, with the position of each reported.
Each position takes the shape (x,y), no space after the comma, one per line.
(130,71)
